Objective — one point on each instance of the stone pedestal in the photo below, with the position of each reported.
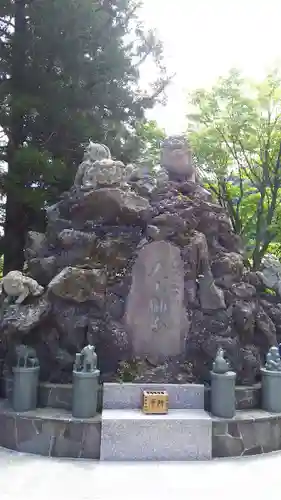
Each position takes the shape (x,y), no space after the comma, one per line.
(271,390)
(184,433)
(180,435)
(85,394)
(223,394)
(25,387)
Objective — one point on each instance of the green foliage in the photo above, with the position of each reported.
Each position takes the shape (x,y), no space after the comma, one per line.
(235,130)
(36,177)
(127,371)
(144,144)
(69,71)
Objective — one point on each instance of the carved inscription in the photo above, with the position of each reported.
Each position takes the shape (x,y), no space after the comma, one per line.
(155,314)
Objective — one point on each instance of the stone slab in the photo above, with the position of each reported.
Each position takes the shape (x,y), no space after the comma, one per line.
(178,436)
(60,396)
(49,432)
(129,395)
(55,396)
(155,314)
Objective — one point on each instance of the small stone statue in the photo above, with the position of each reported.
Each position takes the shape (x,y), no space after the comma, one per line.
(94,152)
(98,169)
(103,173)
(221,365)
(273,360)
(26,356)
(86,361)
(16,284)
(176,158)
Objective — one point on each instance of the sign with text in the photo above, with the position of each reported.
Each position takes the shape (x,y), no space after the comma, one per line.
(155,402)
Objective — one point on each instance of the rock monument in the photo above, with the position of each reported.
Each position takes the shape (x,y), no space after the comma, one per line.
(148,269)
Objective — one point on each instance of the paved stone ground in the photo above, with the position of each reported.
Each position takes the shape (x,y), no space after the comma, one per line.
(26,477)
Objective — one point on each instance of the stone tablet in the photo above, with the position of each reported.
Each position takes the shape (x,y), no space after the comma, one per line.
(155,315)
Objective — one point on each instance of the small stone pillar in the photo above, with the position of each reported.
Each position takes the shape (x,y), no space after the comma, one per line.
(222,388)
(25,381)
(271,382)
(85,384)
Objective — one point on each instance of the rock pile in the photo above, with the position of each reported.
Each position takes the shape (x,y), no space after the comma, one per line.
(148,269)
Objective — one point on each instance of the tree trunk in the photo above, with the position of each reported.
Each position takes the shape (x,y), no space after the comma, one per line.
(15,235)
(15,223)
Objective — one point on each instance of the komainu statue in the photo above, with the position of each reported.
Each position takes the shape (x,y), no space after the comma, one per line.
(273,361)
(98,168)
(176,158)
(86,360)
(16,284)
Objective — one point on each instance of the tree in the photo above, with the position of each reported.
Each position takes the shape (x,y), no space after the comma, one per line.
(143,147)
(235,130)
(68,71)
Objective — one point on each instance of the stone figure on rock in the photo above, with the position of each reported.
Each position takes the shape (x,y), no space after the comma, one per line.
(98,168)
(176,159)
(94,152)
(176,165)
(16,285)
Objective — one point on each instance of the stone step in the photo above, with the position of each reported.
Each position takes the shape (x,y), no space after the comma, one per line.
(181,435)
(120,396)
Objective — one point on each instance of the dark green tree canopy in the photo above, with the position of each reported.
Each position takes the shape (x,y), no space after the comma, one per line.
(69,70)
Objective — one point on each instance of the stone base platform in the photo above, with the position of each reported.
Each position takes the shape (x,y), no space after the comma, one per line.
(52,431)
(249,433)
(179,435)
(49,432)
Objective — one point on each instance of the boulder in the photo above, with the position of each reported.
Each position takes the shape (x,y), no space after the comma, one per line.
(111,205)
(21,319)
(80,285)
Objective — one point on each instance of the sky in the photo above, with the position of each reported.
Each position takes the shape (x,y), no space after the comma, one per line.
(203,39)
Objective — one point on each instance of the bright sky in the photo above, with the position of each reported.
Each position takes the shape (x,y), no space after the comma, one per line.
(203,39)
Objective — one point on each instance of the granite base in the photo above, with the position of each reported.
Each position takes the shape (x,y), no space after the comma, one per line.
(133,436)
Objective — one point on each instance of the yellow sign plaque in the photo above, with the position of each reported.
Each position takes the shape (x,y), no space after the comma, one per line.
(155,402)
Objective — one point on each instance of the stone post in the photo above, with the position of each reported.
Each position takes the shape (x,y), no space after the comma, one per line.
(25,387)
(271,381)
(25,380)
(223,394)
(271,390)
(85,384)
(222,388)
